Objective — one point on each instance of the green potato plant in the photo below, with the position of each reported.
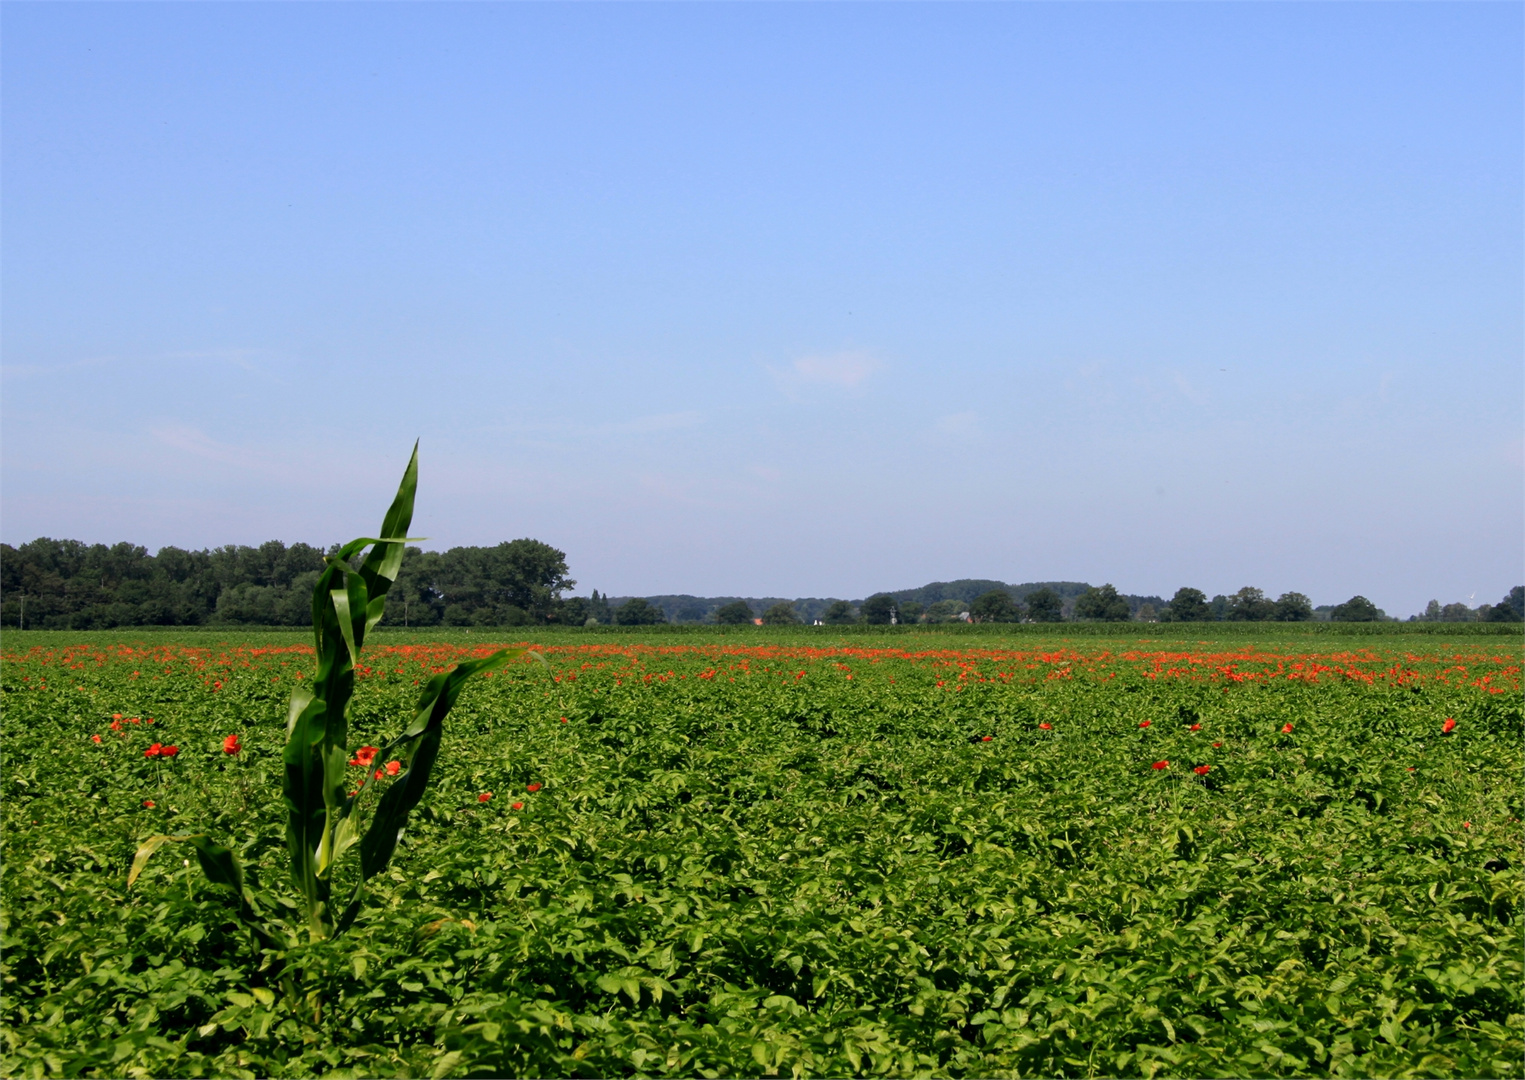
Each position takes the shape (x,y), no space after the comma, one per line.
(324,819)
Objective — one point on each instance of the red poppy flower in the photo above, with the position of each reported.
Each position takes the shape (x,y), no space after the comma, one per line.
(484,796)
(518,806)
(1144,723)
(95,738)
(1466,824)
(231,745)
(532,787)
(1045,726)
(380,773)
(1162,764)
(1195,727)
(148,803)
(153,751)
(1448,727)
(170,751)
(365,755)
(1217,744)
(116,716)
(563,719)
(393,768)
(984,738)
(116,725)
(1202,770)
(1286,729)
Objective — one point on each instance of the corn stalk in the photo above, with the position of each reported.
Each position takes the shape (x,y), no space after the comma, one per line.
(323,820)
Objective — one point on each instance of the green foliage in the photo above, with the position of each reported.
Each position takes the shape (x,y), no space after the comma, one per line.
(1102,604)
(1045,606)
(838,613)
(727,867)
(736,613)
(324,819)
(515,583)
(1249,604)
(780,614)
(1188,605)
(996,606)
(1511,609)
(70,584)
(1356,609)
(638,612)
(878,610)
(1293,607)
(946,611)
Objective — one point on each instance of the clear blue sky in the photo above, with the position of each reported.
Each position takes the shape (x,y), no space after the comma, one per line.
(781,299)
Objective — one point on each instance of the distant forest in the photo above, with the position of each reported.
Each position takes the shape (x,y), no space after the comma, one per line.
(66,584)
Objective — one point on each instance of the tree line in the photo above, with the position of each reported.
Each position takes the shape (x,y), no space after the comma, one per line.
(66,584)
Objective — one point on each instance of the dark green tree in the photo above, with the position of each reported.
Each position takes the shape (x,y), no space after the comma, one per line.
(838,613)
(995,606)
(877,609)
(1511,608)
(1102,604)
(781,614)
(638,612)
(736,613)
(573,611)
(1045,606)
(1293,607)
(1356,609)
(1249,604)
(910,611)
(943,611)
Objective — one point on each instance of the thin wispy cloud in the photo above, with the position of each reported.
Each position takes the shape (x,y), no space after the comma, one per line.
(847,370)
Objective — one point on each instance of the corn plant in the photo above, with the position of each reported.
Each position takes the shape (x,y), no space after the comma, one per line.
(323,819)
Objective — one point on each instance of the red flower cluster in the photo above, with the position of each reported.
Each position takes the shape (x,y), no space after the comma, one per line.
(1202,770)
(160,750)
(1162,764)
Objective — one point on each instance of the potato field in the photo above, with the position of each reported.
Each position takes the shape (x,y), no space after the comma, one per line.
(792,853)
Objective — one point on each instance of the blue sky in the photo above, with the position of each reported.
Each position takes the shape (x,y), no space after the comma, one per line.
(780,299)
